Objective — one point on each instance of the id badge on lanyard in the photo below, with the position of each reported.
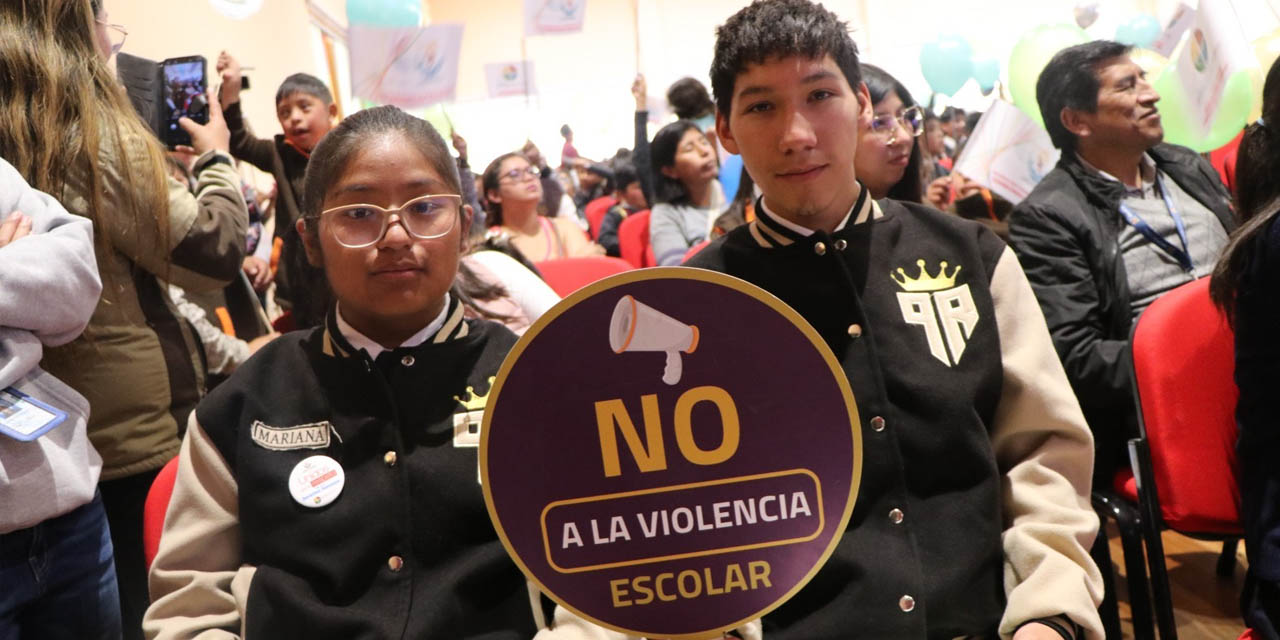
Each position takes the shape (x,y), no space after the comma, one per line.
(1183,254)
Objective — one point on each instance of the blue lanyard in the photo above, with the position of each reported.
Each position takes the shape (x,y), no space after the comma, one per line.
(1183,255)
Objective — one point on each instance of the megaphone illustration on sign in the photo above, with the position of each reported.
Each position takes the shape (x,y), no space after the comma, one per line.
(636,326)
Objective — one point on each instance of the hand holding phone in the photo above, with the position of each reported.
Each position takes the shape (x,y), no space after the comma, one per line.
(214,135)
(185,86)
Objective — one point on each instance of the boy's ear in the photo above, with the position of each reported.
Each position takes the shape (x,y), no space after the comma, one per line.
(333,111)
(866,109)
(310,244)
(724,134)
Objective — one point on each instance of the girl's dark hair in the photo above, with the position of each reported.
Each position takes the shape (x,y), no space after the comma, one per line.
(689,99)
(331,156)
(662,153)
(489,182)
(736,215)
(879,85)
(470,288)
(1257,197)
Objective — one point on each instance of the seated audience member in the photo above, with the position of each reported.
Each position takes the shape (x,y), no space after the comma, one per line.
(495,286)
(595,180)
(954,134)
(470,195)
(1246,284)
(136,362)
(684,168)
(630,200)
(513,194)
(888,158)
(936,164)
(1122,219)
(55,548)
(989,436)
(688,99)
(306,112)
(379,384)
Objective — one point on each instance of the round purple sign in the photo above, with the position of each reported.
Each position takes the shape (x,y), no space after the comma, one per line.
(671,452)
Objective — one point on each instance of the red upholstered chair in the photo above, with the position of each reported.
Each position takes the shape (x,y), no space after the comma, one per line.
(1185,459)
(633,240)
(566,275)
(595,210)
(155,507)
(693,251)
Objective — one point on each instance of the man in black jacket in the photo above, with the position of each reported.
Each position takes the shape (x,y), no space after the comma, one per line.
(1121,220)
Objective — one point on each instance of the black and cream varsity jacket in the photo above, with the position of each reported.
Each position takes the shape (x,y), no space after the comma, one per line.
(973,514)
(405,551)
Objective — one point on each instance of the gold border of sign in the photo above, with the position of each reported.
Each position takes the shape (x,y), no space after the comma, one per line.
(683,273)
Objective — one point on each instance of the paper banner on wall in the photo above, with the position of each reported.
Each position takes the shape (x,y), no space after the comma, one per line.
(1215,49)
(1008,152)
(510,79)
(1182,20)
(543,17)
(405,66)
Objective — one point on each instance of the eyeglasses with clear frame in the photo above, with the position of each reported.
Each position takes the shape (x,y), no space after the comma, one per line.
(517,175)
(120,31)
(361,225)
(912,120)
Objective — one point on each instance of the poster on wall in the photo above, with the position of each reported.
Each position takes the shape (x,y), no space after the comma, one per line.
(1008,152)
(1214,50)
(543,17)
(406,66)
(510,79)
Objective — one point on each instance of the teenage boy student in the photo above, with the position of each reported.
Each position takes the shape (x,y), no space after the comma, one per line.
(630,200)
(972,518)
(306,112)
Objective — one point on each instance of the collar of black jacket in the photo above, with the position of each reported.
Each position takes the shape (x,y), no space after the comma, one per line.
(1179,163)
(768,233)
(335,345)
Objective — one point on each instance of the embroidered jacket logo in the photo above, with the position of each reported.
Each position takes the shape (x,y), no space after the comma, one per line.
(946,311)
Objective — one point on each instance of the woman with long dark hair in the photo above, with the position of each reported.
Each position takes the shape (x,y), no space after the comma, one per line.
(685,194)
(1246,284)
(513,198)
(888,158)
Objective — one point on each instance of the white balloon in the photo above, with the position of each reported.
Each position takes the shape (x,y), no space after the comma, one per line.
(1086,14)
(237,9)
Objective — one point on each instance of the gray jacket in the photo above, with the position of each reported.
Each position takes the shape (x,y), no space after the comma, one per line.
(49,286)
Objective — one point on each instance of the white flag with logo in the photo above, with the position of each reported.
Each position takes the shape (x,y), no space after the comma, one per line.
(1215,49)
(405,66)
(1007,153)
(510,79)
(553,16)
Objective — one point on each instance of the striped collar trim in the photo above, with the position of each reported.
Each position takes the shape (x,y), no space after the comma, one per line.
(769,231)
(335,345)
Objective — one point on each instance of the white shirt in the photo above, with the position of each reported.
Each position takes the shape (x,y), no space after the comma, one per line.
(361,341)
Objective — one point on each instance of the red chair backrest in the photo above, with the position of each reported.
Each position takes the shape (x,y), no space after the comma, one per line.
(633,240)
(566,275)
(595,210)
(155,507)
(1184,364)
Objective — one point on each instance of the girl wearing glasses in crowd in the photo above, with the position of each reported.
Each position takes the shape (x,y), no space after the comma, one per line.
(330,488)
(513,195)
(888,160)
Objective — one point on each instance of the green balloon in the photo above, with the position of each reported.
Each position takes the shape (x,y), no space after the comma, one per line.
(1179,120)
(1030,55)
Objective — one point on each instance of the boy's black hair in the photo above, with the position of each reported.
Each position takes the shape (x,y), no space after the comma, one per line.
(689,99)
(304,83)
(330,158)
(662,153)
(1070,81)
(624,174)
(879,85)
(565,131)
(778,29)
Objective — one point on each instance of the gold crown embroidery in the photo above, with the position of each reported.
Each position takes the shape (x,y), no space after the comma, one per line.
(926,282)
(477,401)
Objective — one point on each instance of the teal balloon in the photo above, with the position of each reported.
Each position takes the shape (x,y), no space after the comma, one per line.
(987,72)
(384,13)
(947,63)
(1140,31)
(1032,52)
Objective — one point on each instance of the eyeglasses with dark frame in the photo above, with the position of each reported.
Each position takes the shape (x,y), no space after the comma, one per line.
(911,119)
(361,225)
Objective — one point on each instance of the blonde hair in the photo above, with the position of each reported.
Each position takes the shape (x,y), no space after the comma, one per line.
(60,106)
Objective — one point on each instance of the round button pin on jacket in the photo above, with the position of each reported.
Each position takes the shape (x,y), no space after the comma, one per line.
(316,481)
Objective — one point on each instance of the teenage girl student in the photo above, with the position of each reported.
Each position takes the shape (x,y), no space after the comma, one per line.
(686,196)
(1245,283)
(512,194)
(888,159)
(323,491)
